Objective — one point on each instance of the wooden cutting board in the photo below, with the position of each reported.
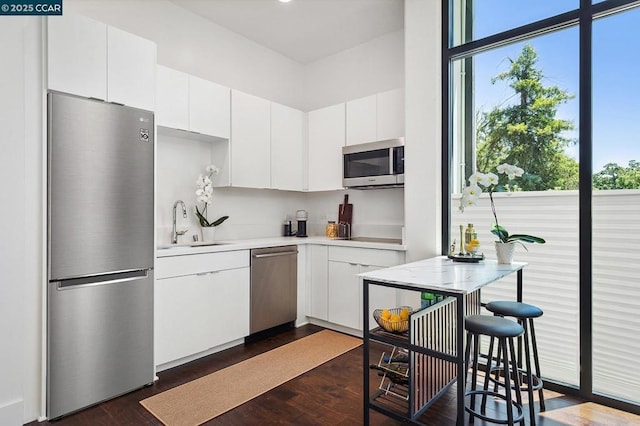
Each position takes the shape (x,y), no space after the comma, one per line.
(345,211)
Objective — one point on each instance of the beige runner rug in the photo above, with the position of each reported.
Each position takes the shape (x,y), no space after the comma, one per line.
(207,397)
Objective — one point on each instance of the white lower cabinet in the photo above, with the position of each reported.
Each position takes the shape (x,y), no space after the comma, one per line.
(202,310)
(336,296)
(345,300)
(318,286)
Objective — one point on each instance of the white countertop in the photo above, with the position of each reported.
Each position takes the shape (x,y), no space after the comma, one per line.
(230,245)
(441,273)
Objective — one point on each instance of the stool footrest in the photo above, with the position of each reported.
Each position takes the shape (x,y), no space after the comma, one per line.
(537,381)
(474,413)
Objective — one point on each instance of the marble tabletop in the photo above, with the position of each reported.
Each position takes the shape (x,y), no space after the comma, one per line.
(441,273)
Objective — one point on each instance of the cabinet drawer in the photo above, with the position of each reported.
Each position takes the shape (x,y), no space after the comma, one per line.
(367,257)
(200,263)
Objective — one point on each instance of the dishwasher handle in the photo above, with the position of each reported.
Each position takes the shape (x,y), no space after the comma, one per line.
(282,253)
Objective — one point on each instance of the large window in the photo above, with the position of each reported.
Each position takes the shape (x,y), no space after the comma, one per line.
(616,202)
(550,87)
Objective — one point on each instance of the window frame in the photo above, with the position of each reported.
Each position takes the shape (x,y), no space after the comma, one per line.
(582,17)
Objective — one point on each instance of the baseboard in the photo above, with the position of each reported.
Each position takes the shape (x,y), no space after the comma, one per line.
(336,327)
(193,357)
(11,413)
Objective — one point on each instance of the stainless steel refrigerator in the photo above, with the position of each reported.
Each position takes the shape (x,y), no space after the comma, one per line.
(100,251)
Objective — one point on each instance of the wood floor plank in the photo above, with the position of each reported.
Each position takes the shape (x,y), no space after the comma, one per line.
(330,394)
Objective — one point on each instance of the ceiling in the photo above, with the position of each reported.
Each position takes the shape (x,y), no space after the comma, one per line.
(303,30)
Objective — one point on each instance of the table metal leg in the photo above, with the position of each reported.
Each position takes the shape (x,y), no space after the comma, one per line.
(365,349)
(460,311)
(519,299)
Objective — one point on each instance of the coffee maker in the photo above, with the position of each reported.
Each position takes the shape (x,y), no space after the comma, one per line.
(301,217)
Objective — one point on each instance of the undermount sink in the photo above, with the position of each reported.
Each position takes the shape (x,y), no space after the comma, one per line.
(188,245)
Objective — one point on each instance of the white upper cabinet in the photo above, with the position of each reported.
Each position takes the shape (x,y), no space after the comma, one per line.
(91,59)
(287,143)
(326,139)
(376,117)
(77,56)
(390,114)
(190,103)
(131,69)
(209,108)
(250,141)
(361,120)
(172,99)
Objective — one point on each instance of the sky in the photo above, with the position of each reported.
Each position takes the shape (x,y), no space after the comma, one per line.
(616,91)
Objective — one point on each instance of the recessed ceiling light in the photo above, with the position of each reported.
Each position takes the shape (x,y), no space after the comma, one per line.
(284,1)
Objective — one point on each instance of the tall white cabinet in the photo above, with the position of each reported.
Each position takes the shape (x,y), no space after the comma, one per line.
(250,141)
(77,56)
(209,108)
(326,139)
(186,102)
(91,59)
(375,118)
(287,148)
(131,66)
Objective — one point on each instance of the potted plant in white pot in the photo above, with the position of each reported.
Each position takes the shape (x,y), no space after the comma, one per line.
(204,194)
(491,182)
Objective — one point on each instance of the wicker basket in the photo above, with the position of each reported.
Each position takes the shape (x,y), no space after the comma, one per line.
(396,326)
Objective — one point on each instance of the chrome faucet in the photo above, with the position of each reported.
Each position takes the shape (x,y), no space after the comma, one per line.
(174,234)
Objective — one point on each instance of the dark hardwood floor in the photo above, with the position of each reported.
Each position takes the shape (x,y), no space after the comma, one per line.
(330,394)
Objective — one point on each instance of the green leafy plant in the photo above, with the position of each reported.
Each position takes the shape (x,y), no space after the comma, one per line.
(204,195)
(491,182)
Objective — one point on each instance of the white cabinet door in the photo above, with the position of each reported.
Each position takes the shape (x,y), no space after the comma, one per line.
(287,143)
(318,289)
(77,56)
(345,303)
(194,313)
(209,108)
(230,305)
(326,139)
(361,120)
(390,113)
(131,69)
(345,296)
(183,316)
(172,102)
(250,141)
(379,297)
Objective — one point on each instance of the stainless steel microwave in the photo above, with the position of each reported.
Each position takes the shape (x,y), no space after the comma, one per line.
(373,165)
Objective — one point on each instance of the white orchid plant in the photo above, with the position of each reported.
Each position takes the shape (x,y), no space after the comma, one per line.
(491,182)
(204,194)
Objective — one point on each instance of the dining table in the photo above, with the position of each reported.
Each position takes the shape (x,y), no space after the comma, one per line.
(435,338)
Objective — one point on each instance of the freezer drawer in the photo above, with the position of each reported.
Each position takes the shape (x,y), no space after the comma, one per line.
(100,339)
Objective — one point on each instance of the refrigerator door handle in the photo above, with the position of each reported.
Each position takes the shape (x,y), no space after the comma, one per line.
(111,278)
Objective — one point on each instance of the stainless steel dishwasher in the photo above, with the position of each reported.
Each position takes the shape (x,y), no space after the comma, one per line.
(274,279)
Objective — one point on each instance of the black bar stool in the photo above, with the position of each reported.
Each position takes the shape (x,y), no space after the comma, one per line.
(505,331)
(525,314)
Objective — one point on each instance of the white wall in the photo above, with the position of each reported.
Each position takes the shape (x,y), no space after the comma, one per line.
(376,212)
(423,135)
(20,124)
(260,212)
(375,66)
(194,45)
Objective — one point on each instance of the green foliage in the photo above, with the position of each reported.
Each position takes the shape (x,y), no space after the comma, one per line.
(503,235)
(202,218)
(527,133)
(613,176)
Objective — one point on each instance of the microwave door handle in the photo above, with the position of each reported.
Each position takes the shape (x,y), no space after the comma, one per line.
(392,158)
